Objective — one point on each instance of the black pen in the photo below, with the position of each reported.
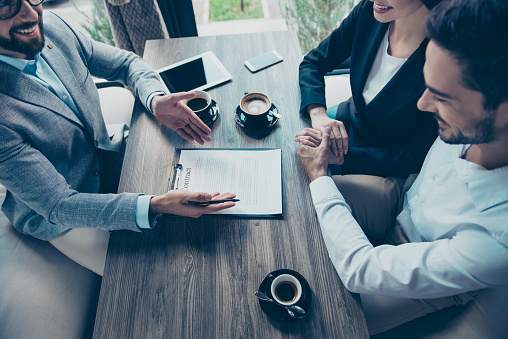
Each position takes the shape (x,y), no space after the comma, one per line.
(210,202)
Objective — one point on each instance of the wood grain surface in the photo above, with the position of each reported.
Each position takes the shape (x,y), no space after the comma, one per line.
(196,278)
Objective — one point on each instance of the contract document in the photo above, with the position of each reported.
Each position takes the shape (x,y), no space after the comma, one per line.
(255,175)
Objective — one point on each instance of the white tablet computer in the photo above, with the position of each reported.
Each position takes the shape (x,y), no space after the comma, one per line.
(199,72)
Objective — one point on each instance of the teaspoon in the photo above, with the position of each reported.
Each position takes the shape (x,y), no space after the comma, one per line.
(294,311)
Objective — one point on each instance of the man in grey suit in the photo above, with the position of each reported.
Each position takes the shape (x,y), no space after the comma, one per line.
(52,131)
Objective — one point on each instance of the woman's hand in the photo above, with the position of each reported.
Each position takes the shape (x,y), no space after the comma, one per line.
(312,137)
(175,202)
(338,135)
(315,159)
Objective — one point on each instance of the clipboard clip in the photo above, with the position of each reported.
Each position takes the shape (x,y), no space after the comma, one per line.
(176,176)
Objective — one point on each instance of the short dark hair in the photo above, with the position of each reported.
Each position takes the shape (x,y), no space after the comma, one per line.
(475,32)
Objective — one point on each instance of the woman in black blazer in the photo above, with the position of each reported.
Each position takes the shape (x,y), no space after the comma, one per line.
(379,131)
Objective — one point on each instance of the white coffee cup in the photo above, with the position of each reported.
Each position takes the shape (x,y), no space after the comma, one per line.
(286,289)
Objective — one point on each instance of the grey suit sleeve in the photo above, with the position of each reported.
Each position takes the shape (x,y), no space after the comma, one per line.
(115,64)
(32,179)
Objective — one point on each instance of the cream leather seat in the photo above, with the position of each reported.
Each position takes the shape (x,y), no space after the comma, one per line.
(43,294)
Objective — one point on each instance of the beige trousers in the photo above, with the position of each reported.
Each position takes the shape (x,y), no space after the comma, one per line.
(375,203)
(86,246)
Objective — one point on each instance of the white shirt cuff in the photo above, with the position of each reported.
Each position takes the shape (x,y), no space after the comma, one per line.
(149,100)
(143,211)
(324,189)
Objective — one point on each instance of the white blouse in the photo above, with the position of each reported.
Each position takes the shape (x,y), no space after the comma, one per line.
(384,68)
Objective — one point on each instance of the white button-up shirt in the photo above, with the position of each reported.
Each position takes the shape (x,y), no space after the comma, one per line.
(455,216)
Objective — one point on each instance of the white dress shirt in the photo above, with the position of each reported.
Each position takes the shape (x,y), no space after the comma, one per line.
(455,216)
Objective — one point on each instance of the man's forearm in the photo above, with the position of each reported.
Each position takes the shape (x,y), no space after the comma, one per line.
(413,270)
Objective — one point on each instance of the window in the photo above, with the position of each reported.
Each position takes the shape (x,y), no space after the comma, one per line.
(216,17)
(90,16)
(312,19)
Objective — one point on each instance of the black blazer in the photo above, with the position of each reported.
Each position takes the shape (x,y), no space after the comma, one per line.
(389,136)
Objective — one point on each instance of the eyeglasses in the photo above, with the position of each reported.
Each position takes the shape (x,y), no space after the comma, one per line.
(10,8)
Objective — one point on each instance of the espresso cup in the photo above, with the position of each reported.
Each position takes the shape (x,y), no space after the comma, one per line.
(255,104)
(204,107)
(255,108)
(286,289)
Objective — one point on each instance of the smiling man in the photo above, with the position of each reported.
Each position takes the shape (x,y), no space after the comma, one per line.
(443,242)
(53,140)
(23,38)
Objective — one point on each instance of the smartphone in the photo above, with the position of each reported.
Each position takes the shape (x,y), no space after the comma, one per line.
(263,61)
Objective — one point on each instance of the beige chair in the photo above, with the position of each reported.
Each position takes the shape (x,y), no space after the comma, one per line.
(42,293)
(337,89)
(483,318)
(117,102)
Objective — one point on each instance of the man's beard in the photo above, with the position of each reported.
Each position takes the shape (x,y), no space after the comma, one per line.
(483,133)
(29,48)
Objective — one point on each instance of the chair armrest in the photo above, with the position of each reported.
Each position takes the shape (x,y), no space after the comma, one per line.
(342,69)
(338,71)
(105,84)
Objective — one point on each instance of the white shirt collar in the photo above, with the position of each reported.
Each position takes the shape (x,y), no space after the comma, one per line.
(487,187)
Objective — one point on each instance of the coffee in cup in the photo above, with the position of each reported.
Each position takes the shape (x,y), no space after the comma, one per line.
(256,114)
(197,104)
(286,289)
(200,101)
(204,107)
(255,103)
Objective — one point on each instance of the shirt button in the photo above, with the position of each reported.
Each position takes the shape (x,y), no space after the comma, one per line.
(96,173)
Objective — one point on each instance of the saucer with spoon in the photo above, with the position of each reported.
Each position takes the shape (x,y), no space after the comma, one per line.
(284,295)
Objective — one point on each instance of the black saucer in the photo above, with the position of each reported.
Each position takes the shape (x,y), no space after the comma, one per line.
(259,129)
(279,313)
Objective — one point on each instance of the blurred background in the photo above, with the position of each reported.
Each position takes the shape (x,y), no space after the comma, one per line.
(312,19)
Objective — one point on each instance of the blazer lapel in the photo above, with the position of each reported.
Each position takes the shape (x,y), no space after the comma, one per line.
(79,89)
(364,60)
(22,87)
(60,65)
(403,80)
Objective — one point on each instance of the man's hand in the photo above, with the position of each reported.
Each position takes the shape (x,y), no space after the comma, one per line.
(312,137)
(315,159)
(338,135)
(175,202)
(171,111)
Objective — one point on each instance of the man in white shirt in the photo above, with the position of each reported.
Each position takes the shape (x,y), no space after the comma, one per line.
(446,238)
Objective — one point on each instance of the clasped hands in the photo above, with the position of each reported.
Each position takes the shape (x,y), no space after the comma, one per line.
(326,143)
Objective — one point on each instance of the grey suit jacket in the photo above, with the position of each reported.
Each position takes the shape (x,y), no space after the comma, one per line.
(49,159)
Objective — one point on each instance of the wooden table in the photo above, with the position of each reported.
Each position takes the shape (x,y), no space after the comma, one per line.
(196,278)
